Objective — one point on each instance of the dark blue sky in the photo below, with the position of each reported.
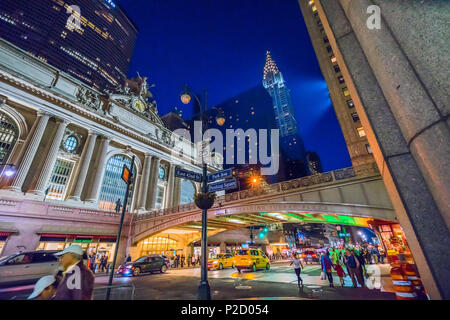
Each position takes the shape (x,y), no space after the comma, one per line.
(220,45)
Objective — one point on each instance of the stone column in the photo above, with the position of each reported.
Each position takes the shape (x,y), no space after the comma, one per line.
(170,186)
(136,192)
(31,147)
(153,183)
(143,188)
(398,116)
(99,173)
(50,160)
(176,194)
(85,160)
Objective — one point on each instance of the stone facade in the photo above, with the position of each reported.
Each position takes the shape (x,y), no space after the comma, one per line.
(397,76)
(65,138)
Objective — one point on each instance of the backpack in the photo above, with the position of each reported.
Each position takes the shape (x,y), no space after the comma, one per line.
(351,262)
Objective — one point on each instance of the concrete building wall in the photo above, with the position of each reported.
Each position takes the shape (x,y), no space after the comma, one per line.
(398,79)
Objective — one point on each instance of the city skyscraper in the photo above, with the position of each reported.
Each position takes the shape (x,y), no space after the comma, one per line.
(354,134)
(282,103)
(291,143)
(97,53)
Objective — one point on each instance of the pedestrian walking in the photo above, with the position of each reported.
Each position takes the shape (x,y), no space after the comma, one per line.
(361,270)
(118,205)
(44,289)
(381,251)
(375,255)
(340,272)
(326,263)
(77,280)
(92,262)
(182,260)
(352,264)
(189,261)
(298,266)
(193,261)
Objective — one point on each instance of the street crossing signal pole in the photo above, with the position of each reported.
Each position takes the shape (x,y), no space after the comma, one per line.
(127,175)
(204,290)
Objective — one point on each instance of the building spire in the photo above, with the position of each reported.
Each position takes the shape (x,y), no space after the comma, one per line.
(270,66)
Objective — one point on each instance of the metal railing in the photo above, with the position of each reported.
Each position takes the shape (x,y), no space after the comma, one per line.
(118,292)
(317,179)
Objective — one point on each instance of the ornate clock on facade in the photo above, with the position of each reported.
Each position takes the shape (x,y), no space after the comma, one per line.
(138,105)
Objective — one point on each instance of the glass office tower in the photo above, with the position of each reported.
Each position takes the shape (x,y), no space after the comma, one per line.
(97,53)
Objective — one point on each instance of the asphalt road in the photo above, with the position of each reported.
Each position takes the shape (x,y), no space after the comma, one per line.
(279,282)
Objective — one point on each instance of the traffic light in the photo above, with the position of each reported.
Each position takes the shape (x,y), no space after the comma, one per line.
(266,229)
(261,235)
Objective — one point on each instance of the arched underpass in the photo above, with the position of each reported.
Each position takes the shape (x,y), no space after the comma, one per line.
(352,201)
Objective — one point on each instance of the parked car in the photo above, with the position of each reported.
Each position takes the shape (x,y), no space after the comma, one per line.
(222,260)
(145,264)
(27,267)
(252,259)
(166,258)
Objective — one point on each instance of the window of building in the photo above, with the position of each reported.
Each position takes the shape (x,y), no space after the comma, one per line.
(113,187)
(187,192)
(70,144)
(158,245)
(369,149)
(355,117)
(345,91)
(8,136)
(329,49)
(159,197)
(361,132)
(319,23)
(333,59)
(337,69)
(59,180)
(350,103)
(341,79)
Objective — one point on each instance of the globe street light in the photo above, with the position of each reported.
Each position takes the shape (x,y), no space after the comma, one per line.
(204,200)
(8,171)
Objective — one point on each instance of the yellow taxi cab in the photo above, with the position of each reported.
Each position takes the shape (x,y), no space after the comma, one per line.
(251,259)
(222,260)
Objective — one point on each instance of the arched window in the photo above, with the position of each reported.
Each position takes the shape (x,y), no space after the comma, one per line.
(187,192)
(8,136)
(113,187)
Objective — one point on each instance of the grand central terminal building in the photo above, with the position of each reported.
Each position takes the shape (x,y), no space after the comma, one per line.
(63,146)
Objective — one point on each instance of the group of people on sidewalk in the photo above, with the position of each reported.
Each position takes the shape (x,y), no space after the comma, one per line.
(180,261)
(98,262)
(73,280)
(352,259)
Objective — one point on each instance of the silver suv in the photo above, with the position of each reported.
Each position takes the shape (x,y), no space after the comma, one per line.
(27,267)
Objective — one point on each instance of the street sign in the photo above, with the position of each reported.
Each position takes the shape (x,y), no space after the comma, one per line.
(125,173)
(220,175)
(219,186)
(190,175)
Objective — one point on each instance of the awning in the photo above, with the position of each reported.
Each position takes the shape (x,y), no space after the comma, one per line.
(8,228)
(69,230)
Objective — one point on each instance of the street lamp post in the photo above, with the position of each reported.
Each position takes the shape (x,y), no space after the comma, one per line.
(204,290)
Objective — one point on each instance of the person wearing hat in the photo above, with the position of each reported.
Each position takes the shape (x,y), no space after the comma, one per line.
(44,289)
(77,280)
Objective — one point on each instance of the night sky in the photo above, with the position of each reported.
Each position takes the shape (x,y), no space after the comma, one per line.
(220,45)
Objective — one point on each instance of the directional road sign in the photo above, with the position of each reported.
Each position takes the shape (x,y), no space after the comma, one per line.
(219,186)
(220,175)
(186,174)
